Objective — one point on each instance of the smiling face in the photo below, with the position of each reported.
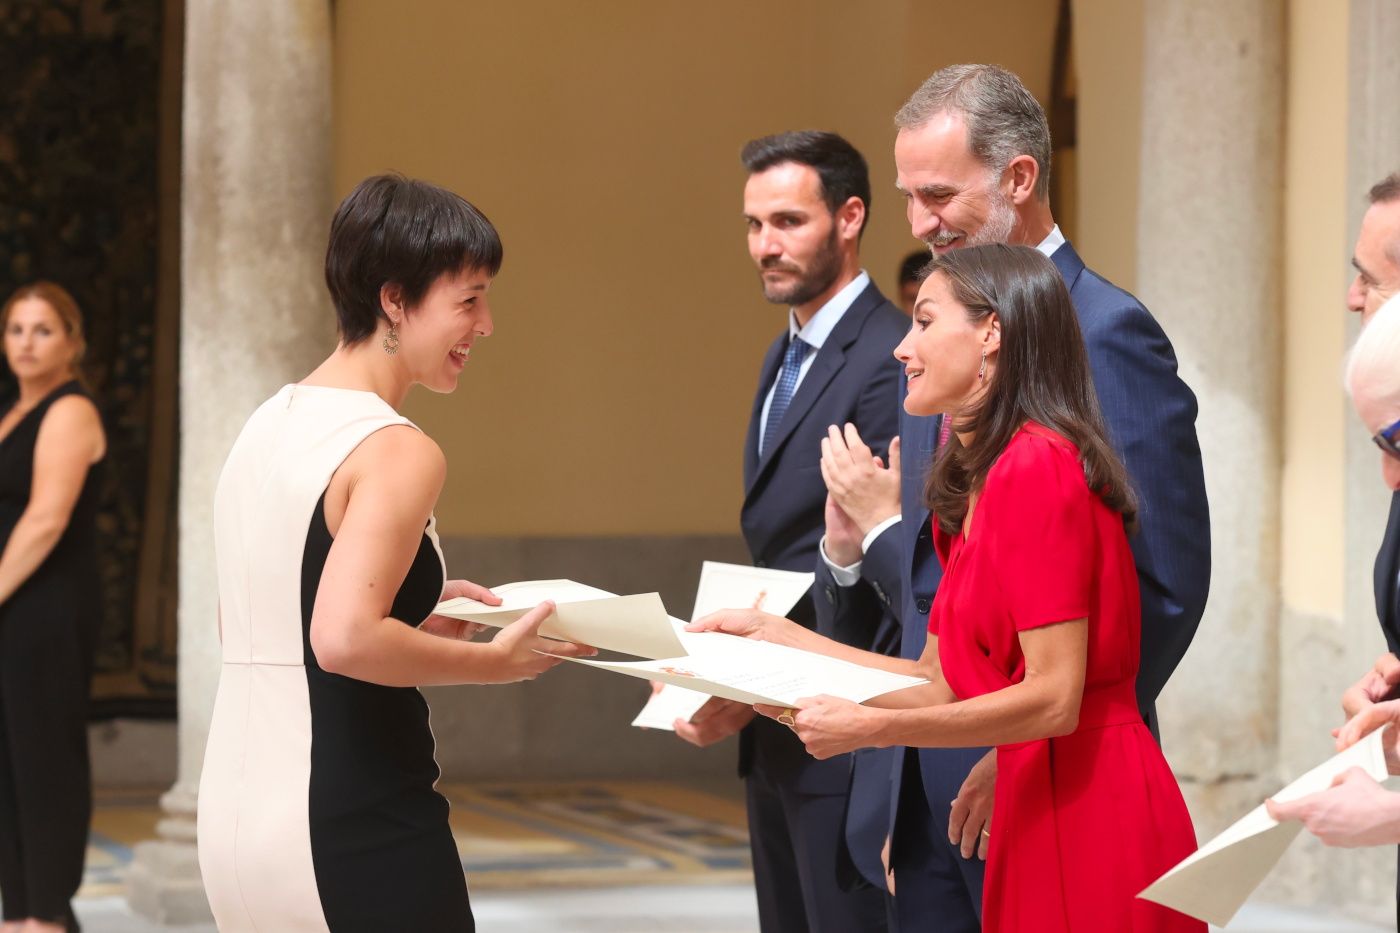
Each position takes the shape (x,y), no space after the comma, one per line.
(951,199)
(436,337)
(942,353)
(793,236)
(1375,259)
(38,346)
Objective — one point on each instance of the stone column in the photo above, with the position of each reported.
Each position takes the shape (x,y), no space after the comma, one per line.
(1208,258)
(256,190)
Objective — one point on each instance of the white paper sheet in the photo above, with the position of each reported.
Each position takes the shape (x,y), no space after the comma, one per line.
(760,672)
(636,625)
(1214,883)
(722,586)
(667,705)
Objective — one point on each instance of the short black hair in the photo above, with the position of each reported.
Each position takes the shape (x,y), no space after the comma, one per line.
(401,231)
(838,164)
(914,267)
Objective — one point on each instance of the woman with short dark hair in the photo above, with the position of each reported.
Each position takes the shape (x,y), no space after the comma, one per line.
(316,807)
(1034,633)
(51,441)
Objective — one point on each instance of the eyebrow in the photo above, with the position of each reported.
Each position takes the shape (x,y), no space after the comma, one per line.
(936,190)
(1362,269)
(794,213)
(921,302)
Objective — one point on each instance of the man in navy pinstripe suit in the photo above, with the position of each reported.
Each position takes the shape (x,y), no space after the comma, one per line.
(973,159)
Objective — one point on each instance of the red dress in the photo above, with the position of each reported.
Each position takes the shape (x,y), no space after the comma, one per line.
(1085,821)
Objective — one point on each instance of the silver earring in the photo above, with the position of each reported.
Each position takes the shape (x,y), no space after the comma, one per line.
(982,373)
(391,339)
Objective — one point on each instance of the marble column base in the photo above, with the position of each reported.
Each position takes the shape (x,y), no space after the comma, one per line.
(163,883)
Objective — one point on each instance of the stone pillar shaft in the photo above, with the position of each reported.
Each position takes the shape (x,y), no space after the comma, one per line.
(256,183)
(1208,257)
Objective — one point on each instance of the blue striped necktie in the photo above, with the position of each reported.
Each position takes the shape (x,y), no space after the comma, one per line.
(782,395)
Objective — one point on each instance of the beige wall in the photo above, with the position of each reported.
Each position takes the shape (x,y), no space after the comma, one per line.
(1107,60)
(1316,246)
(614,395)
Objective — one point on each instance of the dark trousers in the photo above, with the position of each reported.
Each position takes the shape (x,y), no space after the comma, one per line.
(45,786)
(794,838)
(935,887)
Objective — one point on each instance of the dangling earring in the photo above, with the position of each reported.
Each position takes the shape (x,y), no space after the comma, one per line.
(391,339)
(982,372)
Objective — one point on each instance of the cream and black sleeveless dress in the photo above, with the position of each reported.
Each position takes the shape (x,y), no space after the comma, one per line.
(316,805)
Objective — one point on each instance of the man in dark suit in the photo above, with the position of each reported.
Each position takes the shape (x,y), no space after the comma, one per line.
(973,156)
(1377,262)
(806,202)
(1376,259)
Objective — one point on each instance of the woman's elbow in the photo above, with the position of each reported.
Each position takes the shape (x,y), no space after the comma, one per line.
(334,648)
(1062,716)
(47,525)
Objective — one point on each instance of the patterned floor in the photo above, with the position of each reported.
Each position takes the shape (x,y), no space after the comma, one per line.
(675,859)
(522,835)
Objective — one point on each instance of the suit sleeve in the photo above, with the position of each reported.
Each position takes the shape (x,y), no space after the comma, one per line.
(862,615)
(1151,417)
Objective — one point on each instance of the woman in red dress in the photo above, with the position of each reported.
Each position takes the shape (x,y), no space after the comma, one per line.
(1034,632)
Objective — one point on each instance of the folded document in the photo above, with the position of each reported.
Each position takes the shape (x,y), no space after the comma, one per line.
(1214,882)
(710,663)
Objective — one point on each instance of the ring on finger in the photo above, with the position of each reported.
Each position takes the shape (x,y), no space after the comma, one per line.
(787,718)
(986,833)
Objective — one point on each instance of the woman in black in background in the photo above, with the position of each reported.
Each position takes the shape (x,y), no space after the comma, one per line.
(51,439)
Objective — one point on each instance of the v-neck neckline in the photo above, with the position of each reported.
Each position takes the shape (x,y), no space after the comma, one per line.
(37,405)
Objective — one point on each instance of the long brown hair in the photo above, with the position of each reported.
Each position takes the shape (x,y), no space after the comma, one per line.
(1041,375)
(58,298)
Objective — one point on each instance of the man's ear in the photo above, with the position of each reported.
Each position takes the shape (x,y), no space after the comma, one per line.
(850,218)
(1023,172)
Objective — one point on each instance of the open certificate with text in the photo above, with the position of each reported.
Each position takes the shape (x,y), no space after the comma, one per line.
(759,672)
(711,663)
(724,586)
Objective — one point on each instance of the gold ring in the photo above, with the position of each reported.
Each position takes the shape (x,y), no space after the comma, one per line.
(987,834)
(787,718)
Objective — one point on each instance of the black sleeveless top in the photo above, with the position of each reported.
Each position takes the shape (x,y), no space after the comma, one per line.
(73,561)
(381,846)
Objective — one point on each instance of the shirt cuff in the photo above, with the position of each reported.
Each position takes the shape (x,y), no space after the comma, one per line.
(877,531)
(844,576)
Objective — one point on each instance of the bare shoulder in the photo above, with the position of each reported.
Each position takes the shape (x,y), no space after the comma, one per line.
(402,452)
(73,423)
(73,411)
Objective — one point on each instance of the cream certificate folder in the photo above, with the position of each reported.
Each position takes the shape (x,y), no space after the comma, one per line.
(759,672)
(724,586)
(1215,882)
(636,625)
(711,662)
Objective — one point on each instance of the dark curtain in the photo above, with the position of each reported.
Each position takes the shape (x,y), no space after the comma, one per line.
(85,170)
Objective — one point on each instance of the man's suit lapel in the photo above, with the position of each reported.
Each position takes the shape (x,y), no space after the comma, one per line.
(1069,264)
(827,364)
(1387,568)
(830,358)
(769,372)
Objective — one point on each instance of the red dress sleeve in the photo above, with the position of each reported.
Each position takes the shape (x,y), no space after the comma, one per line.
(1038,530)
